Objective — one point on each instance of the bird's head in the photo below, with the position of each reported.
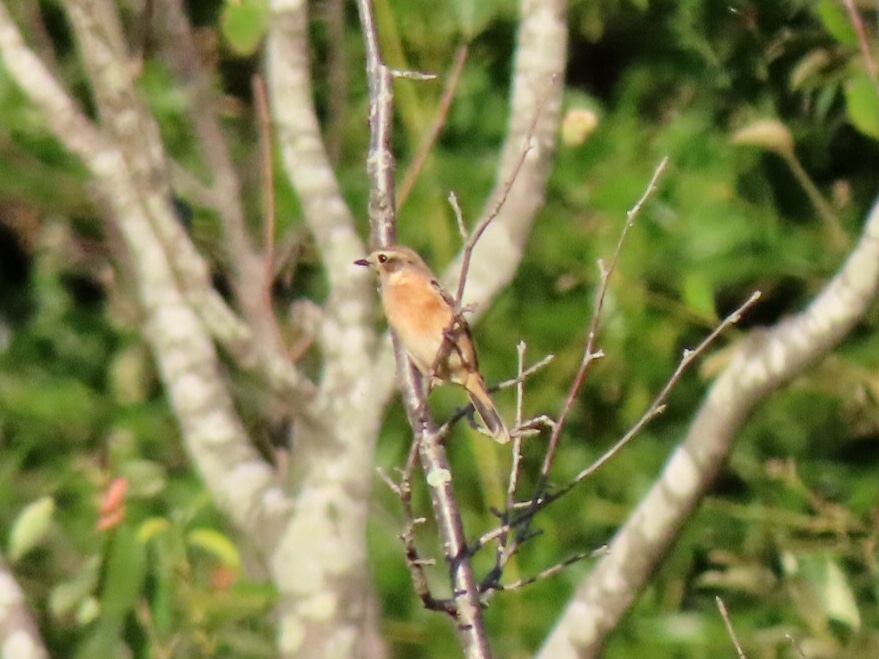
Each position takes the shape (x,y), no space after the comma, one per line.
(393,259)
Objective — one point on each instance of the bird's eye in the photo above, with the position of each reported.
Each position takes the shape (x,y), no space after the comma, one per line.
(382,258)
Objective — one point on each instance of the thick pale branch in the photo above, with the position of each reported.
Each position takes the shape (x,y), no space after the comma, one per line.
(70,125)
(535,110)
(19,636)
(241,482)
(765,361)
(305,159)
(135,135)
(245,263)
(319,565)
(346,338)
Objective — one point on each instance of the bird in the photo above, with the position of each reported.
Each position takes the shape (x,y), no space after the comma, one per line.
(436,337)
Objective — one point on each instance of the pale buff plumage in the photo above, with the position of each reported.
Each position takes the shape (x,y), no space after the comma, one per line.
(420,313)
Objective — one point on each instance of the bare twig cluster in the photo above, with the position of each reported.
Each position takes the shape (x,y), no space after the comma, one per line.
(464,604)
(515,527)
(188,323)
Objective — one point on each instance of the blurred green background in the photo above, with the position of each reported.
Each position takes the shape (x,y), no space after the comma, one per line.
(769,121)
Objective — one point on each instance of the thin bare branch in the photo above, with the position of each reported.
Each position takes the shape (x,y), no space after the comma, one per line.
(414,562)
(476,234)
(526,426)
(552,570)
(405,74)
(459,216)
(540,59)
(589,352)
(657,407)
(528,372)
(527,510)
(765,360)
(729,627)
(180,51)
(333,15)
(501,553)
(427,144)
(470,625)
(863,42)
(265,140)
(380,162)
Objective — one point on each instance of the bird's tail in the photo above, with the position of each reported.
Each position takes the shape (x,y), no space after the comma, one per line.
(484,405)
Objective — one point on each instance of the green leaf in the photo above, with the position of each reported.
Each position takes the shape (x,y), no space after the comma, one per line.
(699,295)
(820,590)
(244,23)
(145,477)
(837,22)
(89,609)
(151,528)
(809,67)
(123,575)
(30,527)
(70,595)
(862,105)
(475,15)
(839,600)
(216,544)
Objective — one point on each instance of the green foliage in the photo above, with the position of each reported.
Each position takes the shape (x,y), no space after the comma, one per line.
(834,19)
(244,24)
(863,104)
(29,527)
(791,522)
(79,407)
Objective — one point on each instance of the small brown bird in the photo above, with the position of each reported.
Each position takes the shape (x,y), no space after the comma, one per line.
(438,343)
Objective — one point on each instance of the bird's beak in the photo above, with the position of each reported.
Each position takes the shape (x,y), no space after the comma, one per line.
(362,262)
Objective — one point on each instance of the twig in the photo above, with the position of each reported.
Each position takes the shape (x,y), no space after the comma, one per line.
(657,407)
(476,234)
(503,540)
(729,627)
(535,422)
(439,121)
(589,352)
(527,510)
(180,51)
(517,439)
(265,139)
(528,372)
(796,646)
(380,161)
(333,15)
(470,624)
(459,216)
(414,562)
(552,570)
(864,44)
(822,207)
(407,74)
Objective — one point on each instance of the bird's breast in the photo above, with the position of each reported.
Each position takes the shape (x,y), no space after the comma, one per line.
(418,315)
